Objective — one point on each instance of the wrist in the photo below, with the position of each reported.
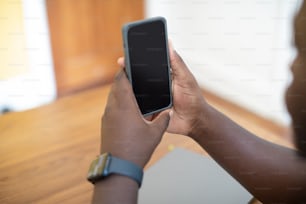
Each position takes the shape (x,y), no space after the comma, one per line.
(115,189)
(201,124)
(116,181)
(119,153)
(107,165)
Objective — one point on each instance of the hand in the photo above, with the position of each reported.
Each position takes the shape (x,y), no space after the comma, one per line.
(189,107)
(125,133)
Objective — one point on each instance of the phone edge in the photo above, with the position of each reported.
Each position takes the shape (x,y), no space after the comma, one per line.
(125,29)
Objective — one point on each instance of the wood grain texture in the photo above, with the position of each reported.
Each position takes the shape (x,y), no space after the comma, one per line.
(86,40)
(45,152)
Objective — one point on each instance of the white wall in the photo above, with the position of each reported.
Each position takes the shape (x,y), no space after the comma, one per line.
(37,86)
(238,49)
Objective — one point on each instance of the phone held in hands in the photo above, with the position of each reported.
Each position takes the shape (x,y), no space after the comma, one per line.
(147,63)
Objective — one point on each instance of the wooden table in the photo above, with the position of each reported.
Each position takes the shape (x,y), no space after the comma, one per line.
(45,152)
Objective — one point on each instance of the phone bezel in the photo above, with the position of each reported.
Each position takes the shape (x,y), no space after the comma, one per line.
(125,31)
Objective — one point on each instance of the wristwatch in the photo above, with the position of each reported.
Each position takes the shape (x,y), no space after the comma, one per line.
(106,165)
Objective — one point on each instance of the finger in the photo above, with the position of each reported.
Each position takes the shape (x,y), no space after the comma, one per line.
(154,116)
(111,99)
(119,74)
(120,62)
(121,83)
(123,93)
(178,66)
(161,122)
(149,117)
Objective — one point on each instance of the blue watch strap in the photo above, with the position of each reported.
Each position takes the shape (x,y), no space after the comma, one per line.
(125,168)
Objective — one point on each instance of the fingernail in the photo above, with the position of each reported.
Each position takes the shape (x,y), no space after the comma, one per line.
(119,60)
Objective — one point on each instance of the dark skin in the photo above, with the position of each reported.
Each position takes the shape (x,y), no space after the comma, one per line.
(272,173)
(126,135)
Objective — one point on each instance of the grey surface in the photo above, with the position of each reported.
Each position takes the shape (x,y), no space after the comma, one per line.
(186,177)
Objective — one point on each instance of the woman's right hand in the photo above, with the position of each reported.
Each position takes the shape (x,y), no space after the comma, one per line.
(189,106)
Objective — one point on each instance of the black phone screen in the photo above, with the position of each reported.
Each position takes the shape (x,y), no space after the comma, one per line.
(149,66)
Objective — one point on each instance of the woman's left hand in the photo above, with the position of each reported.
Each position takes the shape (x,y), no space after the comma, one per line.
(125,133)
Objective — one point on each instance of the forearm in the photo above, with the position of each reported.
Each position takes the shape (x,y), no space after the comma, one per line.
(116,189)
(269,171)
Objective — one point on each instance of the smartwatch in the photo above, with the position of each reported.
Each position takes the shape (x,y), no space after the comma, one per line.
(106,165)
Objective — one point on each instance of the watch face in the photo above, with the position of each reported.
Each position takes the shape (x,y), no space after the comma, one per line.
(98,168)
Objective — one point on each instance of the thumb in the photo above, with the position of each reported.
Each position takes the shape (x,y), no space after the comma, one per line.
(162,121)
(178,66)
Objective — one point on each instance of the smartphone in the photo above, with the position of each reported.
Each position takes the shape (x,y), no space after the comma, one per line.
(147,63)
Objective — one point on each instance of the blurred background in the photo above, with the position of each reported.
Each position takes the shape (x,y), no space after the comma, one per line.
(239,50)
